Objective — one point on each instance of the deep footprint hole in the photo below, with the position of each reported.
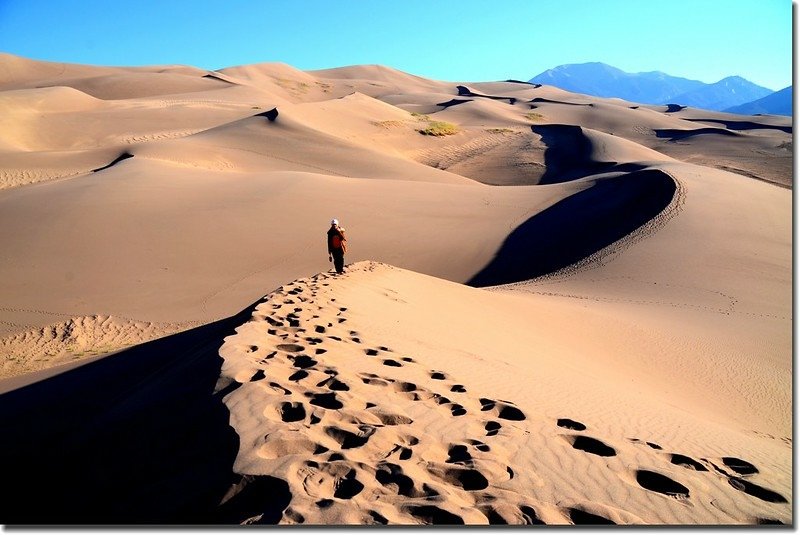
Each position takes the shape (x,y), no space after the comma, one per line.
(348,486)
(739,466)
(430,514)
(292,412)
(392,477)
(303,362)
(687,462)
(661,484)
(458,454)
(755,490)
(580,517)
(570,424)
(290,348)
(507,412)
(593,446)
(326,401)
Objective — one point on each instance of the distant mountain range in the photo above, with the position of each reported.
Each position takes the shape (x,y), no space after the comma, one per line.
(777,103)
(601,80)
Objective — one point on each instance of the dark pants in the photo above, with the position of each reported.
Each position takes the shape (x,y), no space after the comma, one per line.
(338,260)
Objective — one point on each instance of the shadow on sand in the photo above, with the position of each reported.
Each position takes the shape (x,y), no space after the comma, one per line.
(579,226)
(138,437)
(569,155)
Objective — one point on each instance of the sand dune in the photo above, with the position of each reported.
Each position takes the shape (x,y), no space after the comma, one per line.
(340,420)
(564,310)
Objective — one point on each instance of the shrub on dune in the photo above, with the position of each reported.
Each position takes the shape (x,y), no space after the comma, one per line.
(439,128)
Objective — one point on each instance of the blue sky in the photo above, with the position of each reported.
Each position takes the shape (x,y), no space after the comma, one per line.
(464,40)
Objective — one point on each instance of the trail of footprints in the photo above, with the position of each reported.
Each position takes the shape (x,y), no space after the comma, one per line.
(353,441)
(345,443)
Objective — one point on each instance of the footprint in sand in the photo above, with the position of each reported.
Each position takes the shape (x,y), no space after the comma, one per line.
(268,357)
(298,375)
(739,466)
(458,453)
(570,424)
(748,487)
(332,383)
(289,411)
(458,476)
(331,480)
(326,401)
(279,388)
(590,445)
(372,379)
(686,462)
(259,375)
(661,484)
(650,444)
(579,517)
(392,477)
(290,348)
(478,445)
(431,514)
(508,514)
(348,440)
(303,362)
(502,410)
(492,428)
(457,410)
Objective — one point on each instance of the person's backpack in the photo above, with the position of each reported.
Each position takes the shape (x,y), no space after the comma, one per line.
(338,241)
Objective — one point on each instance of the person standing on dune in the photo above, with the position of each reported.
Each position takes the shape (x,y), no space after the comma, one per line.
(337,245)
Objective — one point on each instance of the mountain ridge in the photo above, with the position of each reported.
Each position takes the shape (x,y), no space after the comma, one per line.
(653,87)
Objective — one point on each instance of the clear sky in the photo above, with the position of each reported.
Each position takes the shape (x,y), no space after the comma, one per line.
(463,40)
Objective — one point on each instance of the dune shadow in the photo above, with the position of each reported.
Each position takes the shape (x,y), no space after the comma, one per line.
(744,125)
(138,437)
(569,155)
(271,115)
(121,157)
(674,134)
(214,76)
(578,226)
(512,81)
(453,102)
(536,100)
(464,91)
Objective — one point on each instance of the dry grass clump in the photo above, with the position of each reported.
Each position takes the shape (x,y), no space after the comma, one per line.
(532,116)
(388,124)
(439,128)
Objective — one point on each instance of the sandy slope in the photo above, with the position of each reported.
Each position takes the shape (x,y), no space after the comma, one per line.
(447,415)
(476,407)
(634,365)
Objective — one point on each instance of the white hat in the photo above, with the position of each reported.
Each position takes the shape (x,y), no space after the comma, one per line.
(334,221)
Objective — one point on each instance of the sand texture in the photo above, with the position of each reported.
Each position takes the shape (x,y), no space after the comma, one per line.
(557,309)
